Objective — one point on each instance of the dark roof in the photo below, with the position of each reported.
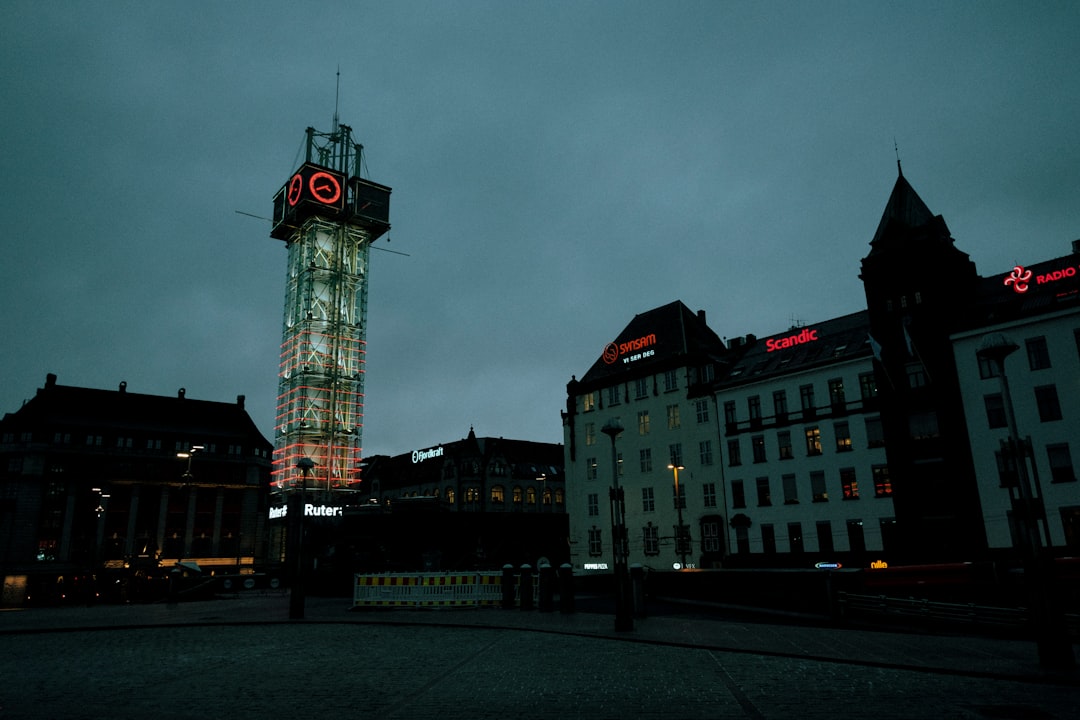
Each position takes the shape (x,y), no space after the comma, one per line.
(670,332)
(62,406)
(803,347)
(905,215)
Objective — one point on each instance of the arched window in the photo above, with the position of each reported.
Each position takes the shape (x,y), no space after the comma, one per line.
(559,499)
(547,496)
(450,495)
(518,494)
(530,496)
(498,494)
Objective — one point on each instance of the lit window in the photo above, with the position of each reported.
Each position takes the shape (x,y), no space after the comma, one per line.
(643,422)
(588,402)
(849,484)
(813,441)
(882,483)
(498,494)
(843,436)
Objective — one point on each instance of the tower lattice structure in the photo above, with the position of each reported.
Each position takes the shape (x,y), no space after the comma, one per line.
(328,217)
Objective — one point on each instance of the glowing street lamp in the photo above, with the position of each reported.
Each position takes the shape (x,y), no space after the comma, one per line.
(680,535)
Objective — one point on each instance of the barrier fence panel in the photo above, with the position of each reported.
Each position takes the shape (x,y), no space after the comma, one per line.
(430,590)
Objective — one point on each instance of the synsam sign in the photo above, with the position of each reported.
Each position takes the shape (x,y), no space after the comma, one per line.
(612,351)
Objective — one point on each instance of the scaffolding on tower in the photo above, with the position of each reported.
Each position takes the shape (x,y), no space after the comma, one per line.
(328,217)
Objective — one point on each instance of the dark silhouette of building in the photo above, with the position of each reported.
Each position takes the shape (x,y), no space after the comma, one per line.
(105,491)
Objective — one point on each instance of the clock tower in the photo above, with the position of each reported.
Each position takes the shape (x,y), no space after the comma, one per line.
(328,217)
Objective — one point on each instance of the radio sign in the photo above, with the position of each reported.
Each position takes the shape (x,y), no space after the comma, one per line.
(1021,278)
(807,335)
(629,350)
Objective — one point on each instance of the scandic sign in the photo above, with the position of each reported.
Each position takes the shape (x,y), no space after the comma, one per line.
(807,335)
(613,351)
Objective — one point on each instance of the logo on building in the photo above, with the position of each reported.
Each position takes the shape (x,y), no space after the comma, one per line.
(613,351)
(422,455)
(1018,278)
(807,335)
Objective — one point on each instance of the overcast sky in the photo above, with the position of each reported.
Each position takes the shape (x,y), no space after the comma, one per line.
(557,167)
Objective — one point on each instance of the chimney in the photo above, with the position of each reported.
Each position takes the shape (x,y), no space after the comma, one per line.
(123,386)
(240,401)
(50,380)
(180,393)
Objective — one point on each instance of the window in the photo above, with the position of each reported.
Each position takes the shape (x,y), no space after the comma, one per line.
(882,483)
(450,495)
(794,531)
(588,402)
(643,422)
(987,368)
(817,486)
(596,545)
(824,536)
(791,492)
(738,494)
(916,375)
(848,484)
(671,380)
(779,401)
(867,386)
(813,441)
(648,501)
(783,441)
(675,453)
(733,454)
(519,494)
(546,496)
(806,400)
(705,452)
(683,541)
(836,395)
(1061,467)
(613,395)
(673,422)
(843,436)
(730,418)
(875,433)
(530,496)
(645,460)
(764,498)
(590,468)
(753,404)
(710,536)
(708,492)
(923,425)
(498,494)
(855,536)
(1006,466)
(1046,398)
(590,433)
(1038,355)
(757,443)
(593,502)
(701,410)
(560,497)
(641,388)
(472,494)
(651,539)
(995,410)
(768,539)
(742,539)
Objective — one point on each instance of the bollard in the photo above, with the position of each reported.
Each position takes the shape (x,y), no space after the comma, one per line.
(526,587)
(507,586)
(547,587)
(637,589)
(566,588)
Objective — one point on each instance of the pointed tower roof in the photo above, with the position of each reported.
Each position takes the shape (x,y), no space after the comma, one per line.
(904,209)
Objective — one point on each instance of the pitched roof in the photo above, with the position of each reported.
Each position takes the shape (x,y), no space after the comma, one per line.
(62,406)
(905,211)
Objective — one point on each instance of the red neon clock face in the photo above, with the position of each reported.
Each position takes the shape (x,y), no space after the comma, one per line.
(324,187)
(296,188)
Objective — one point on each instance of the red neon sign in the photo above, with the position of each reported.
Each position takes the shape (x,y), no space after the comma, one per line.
(612,351)
(1020,278)
(805,336)
(324,187)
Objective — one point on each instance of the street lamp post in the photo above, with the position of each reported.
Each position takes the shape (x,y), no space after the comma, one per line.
(680,537)
(623,618)
(295,506)
(1052,642)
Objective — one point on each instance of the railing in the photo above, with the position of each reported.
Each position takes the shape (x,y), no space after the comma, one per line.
(938,612)
(431,590)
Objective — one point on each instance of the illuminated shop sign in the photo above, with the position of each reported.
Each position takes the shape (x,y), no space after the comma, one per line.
(596,566)
(1022,278)
(629,351)
(276,513)
(807,335)
(422,455)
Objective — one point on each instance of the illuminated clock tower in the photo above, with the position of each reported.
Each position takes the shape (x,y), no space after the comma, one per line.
(328,217)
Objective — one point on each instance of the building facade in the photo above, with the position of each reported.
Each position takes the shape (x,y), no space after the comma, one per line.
(876,437)
(109,484)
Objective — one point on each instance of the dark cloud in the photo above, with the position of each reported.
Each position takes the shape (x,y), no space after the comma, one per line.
(557,168)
